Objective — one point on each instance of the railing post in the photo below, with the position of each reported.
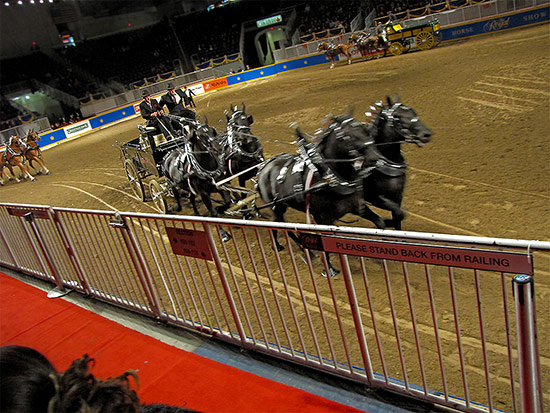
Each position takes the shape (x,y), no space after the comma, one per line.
(71,252)
(528,355)
(139,263)
(60,291)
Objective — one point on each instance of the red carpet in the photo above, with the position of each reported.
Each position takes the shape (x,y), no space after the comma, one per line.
(63,332)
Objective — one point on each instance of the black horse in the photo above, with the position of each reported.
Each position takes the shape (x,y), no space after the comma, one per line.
(194,169)
(242,151)
(324,180)
(394,124)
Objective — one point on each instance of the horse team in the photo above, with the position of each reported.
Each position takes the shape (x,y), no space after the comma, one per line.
(366,44)
(19,150)
(347,168)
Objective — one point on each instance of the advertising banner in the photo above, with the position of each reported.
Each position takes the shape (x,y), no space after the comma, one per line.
(76,129)
(503,22)
(214,84)
(196,89)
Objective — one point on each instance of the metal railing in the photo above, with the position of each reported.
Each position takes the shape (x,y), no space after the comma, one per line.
(442,318)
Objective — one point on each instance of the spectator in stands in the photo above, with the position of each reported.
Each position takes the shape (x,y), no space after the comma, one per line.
(391,17)
(152,112)
(188,96)
(30,383)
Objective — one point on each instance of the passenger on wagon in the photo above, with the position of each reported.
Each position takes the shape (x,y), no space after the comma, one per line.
(152,112)
(175,101)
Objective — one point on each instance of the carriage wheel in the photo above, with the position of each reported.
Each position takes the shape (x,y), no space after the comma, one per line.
(424,40)
(396,48)
(135,180)
(158,197)
(437,38)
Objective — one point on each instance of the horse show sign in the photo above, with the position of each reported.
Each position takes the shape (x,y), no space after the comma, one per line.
(487,260)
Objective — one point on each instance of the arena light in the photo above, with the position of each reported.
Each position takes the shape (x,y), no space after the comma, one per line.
(6,4)
(20,2)
(31,1)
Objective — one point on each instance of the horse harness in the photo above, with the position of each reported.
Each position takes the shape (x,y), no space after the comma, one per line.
(188,163)
(310,158)
(233,148)
(10,151)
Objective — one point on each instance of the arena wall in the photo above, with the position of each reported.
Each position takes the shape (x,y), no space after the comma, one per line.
(494,24)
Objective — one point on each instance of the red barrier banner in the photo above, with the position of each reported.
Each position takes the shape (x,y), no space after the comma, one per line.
(21,212)
(189,243)
(487,260)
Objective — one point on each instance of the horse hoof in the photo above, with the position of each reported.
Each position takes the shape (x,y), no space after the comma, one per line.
(48,172)
(226,237)
(280,248)
(332,271)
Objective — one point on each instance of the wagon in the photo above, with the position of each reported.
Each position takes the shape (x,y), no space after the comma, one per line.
(142,158)
(424,36)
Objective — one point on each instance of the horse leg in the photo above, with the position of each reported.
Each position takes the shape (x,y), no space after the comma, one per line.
(12,171)
(398,215)
(177,197)
(226,196)
(205,196)
(242,184)
(373,217)
(25,171)
(43,166)
(279,212)
(193,200)
(332,62)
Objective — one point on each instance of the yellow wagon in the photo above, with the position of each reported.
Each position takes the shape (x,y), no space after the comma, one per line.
(422,36)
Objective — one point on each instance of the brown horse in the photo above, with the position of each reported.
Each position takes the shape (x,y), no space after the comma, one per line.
(365,43)
(332,51)
(14,156)
(33,151)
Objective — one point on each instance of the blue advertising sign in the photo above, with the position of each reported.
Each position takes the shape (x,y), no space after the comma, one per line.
(503,22)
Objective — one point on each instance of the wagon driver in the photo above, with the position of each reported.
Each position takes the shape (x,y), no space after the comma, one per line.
(153,114)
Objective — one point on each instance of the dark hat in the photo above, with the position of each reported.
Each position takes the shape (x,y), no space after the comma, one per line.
(170,86)
(144,93)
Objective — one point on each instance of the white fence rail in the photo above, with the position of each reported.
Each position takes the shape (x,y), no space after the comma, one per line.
(437,317)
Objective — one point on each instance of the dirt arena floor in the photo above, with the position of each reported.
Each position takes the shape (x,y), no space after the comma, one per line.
(485,172)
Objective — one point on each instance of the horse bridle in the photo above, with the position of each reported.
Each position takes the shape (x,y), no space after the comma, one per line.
(396,124)
(235,147)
